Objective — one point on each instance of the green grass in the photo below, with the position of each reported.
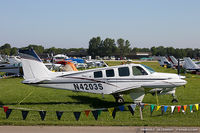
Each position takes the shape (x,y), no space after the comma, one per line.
(12,93)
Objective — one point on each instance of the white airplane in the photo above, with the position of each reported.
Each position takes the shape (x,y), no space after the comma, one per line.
(133,79)
(163,61)
(190,65)
(13,67)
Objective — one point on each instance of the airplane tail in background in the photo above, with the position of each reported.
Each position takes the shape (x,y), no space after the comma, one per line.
(174,60)
(190,65)
(33,67)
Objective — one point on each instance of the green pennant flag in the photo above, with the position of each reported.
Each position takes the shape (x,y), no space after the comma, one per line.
(191,108)
(152,108)
(99,112)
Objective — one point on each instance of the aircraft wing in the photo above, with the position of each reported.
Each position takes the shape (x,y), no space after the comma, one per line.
(126,90)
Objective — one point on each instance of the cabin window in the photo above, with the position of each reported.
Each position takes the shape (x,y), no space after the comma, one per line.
(138,71)
(98,74)
(123,71)
(110,73)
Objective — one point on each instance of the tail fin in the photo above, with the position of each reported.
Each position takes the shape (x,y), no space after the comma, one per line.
(174,60)
(189,64)
(33,67)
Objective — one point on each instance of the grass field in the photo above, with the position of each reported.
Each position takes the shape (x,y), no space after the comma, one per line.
(12,93)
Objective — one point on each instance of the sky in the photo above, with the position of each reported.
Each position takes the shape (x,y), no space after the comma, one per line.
(72,23)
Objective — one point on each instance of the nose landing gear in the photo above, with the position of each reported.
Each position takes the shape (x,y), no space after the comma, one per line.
(118,98)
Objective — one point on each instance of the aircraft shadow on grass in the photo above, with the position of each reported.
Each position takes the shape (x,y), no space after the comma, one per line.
(91,101)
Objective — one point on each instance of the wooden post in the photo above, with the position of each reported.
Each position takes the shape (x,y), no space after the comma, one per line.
(141,117)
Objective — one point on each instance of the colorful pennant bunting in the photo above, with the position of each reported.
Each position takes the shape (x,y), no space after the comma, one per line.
(162,110)
(95,114)
(191,108)
(77,115)
(114,113)
(8,112)
(158,107)
(133,106)
(179,108)
(87,112)
(5,108)
(172,109)
(121,108)
(165,108)
(24,114)
(142,106)
(152,108)
(110,110)
(131,110)
(42,114)
(185,107)
(59,114)
(99,112)
(197,106)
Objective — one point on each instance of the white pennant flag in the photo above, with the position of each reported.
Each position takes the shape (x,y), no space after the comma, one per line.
(172,108)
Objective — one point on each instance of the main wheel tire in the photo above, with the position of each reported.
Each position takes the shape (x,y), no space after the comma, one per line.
(174,101)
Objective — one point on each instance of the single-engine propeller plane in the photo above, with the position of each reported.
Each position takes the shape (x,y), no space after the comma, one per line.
(133,79)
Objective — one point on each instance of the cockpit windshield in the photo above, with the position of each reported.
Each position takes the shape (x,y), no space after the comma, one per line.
(148,68)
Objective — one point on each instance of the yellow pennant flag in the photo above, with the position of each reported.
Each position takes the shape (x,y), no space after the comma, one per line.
(111,110)
(197,106)
(158,107)
(184,107)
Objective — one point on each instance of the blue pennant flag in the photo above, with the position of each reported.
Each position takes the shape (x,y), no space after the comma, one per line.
(8,112)
(121,108)
(24,114)
(165,108)
(77,115)
(95,114)
(42,114)
(59,114)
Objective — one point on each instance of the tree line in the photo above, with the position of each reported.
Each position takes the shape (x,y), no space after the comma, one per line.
(107,47)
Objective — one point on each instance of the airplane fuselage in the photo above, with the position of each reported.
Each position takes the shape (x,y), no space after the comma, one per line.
(116,79)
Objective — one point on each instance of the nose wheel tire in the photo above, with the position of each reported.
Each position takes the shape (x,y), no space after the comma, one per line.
(120,100)
(174,101)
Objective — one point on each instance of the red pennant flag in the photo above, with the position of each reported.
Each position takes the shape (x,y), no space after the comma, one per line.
(179,108)
(5,108)
(87,112)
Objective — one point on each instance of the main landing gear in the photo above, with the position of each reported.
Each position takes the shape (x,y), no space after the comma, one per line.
(174,100)
(118,98)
